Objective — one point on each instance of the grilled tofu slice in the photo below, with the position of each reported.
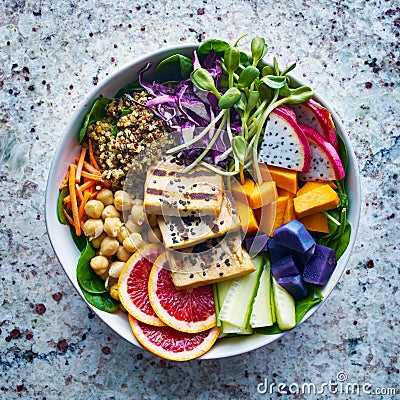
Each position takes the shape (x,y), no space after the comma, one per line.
(209,262)
(181,232)
(169,191)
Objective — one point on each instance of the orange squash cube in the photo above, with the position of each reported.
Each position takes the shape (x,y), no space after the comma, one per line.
(243,192)
(247,219)
(263,194)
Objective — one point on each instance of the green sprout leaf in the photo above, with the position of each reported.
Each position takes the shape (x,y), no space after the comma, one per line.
(204,80)
(231,59)
(274,82)
(259,49)
(229,98)
(219,46)
(247,76)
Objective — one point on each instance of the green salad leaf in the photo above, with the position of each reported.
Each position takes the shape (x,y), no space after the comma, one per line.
(131,87)
(167,66)
(60,206)
(80,241)
(87,278)
(103,301)
(96,113)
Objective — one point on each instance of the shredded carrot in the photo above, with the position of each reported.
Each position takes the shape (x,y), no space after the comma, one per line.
(86,197)
(70,220)
(87,185)
(94,194)
(91,156)
(90,168)
(79,192)
(91,176)
(74,203)
(80,164)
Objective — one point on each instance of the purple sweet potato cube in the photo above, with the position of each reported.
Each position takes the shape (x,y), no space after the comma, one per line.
(321,265)
(277,252)
(294,285)
(257,244)
(303,258)
(284,267)
(294,235)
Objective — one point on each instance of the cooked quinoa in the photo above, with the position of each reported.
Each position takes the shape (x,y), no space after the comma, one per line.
(129,138)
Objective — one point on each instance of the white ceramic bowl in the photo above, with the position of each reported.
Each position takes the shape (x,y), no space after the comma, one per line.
(67,253)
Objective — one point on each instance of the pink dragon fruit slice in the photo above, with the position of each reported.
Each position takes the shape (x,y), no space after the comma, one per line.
(325,161)
(317,117)
(285,144)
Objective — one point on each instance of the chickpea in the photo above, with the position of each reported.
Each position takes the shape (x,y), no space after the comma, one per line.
(109,246)
(138,214)
(105,196)
(133,242)
(112,226)
(132,226)
(115,269)
(99,264)
(122,200)
(96,242)
(110,212)
(114,291)
(123,233)
(93,228)
(104,276)
(123,254)
(94,208)
(154,235)
(152,220)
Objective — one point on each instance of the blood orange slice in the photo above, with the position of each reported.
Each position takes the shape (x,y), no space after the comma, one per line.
(186,310)
(171,344)
(133,284)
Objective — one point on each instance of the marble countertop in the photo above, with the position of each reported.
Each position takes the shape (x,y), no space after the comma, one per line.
(51,54)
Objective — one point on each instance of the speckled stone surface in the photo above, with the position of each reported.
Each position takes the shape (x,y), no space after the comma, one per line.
(51,54)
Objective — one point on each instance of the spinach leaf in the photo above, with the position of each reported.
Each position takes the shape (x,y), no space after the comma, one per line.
(185,64)
(97,112)
(313,297)
(340,242)
(80,241)
(219,46)
(60,206)
(103,301)
(131,87)
(87,278)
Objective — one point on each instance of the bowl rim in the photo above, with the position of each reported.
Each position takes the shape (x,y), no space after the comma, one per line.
(355,199)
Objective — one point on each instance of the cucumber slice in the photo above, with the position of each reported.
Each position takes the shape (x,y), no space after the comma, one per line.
(238,303)
(284,307)
(261,314)
(221,290)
